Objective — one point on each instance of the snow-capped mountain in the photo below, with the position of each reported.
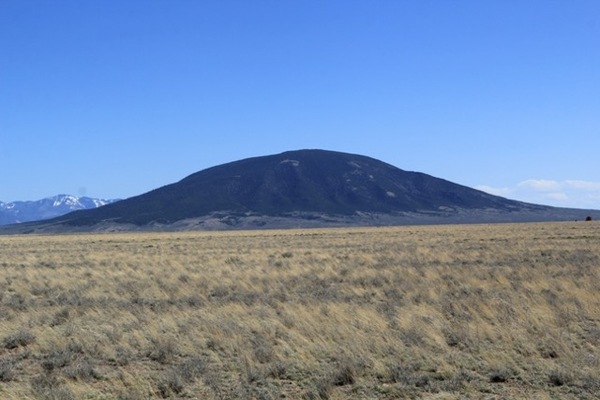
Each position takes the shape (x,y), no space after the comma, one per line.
(50,207)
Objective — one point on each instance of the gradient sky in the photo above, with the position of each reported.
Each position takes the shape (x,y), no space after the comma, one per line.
(114,98)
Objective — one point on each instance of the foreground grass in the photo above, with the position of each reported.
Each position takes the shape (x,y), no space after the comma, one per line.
(489,311)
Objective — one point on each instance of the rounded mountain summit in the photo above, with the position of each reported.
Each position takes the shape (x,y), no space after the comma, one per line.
(295,182)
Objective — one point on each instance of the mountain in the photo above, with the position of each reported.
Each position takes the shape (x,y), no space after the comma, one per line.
(50,207)
(304,188)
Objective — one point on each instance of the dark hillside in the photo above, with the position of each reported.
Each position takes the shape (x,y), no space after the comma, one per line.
(296,181)
(305,188)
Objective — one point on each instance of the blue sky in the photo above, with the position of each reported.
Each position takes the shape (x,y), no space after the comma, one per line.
(114,98)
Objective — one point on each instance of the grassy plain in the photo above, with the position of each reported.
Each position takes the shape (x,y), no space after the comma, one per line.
(447,312)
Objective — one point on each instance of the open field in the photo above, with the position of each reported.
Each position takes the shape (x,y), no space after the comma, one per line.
(445,312)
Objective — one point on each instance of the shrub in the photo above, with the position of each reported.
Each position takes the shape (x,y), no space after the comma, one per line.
(163,351)
(57,359)
(122,356)
(559,378)
(263,351)
(82,370)
(173,381)
(403,373)
(278,370)
(48,387)
(499,376)
(191,368)
(7,370)
(345,375)
(320,391)
(61,317)
(171,384)
(21,338)
(253,374)
(17,302)
(214,382)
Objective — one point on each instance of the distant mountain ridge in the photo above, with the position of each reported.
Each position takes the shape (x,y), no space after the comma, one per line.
(303,188)
(49,207)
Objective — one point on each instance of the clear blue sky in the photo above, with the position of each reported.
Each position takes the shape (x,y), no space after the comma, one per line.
(114,98)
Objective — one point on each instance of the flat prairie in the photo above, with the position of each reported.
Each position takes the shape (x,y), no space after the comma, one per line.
(442,312)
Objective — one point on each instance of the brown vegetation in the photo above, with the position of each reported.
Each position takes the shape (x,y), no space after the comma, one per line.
(480,311)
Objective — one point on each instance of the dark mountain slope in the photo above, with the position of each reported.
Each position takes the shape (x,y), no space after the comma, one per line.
(314,181)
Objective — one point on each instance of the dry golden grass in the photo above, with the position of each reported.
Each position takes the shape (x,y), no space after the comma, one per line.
(445,312)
